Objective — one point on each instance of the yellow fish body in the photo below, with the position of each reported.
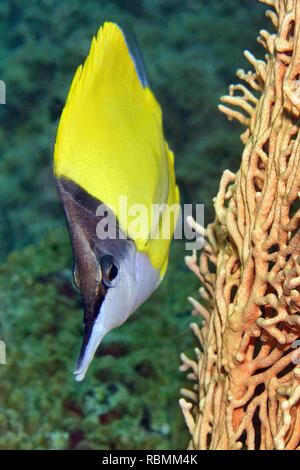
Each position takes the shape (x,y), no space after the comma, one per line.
(110,147)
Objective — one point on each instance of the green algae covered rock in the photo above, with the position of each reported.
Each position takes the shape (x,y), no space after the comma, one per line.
(129,399)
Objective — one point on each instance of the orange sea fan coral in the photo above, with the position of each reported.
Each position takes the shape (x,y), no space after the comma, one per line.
(247,373)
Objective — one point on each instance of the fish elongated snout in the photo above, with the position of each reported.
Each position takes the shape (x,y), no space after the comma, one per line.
(92,337)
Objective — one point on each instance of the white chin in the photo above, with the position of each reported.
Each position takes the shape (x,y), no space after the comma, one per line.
(147,278)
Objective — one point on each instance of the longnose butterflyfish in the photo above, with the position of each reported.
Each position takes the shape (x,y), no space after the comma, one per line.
(112,167)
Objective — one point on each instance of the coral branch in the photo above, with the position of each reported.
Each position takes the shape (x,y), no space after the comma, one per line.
(247,371)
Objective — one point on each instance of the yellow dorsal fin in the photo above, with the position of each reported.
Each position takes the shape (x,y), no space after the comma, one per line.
(108,74)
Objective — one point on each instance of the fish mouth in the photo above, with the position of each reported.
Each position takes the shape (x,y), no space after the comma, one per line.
(88,328)
(92,336)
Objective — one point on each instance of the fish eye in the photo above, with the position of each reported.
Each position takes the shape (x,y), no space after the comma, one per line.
(110,270)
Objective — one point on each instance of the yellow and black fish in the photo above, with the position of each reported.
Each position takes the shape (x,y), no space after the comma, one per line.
(110,145)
